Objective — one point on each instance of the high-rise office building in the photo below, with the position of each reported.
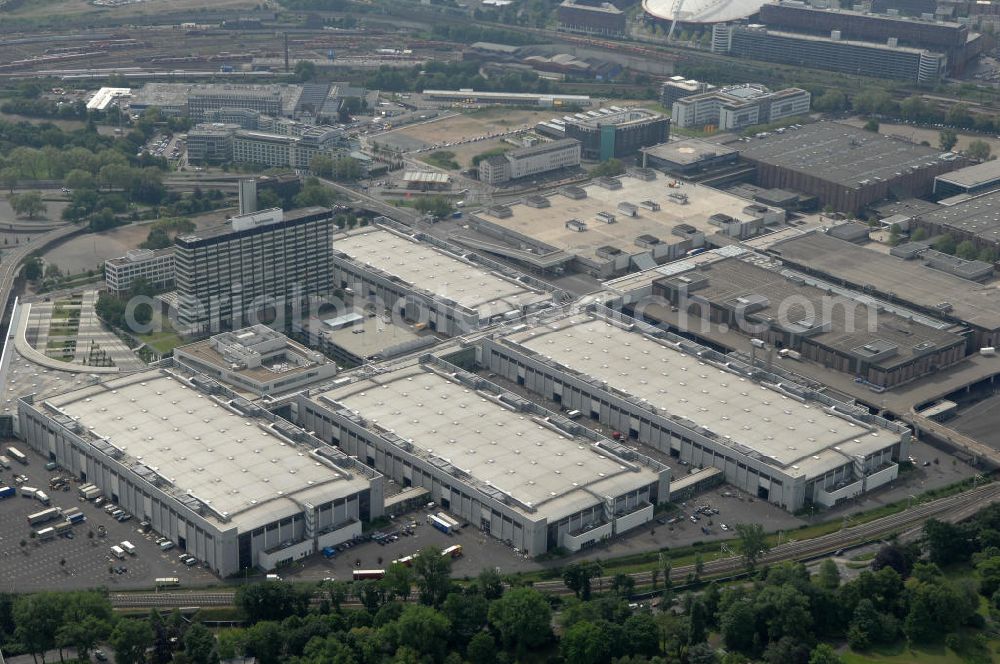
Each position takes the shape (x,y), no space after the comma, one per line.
(264,260)
(248,196)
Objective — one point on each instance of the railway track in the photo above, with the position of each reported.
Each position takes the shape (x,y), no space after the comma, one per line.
(952,508)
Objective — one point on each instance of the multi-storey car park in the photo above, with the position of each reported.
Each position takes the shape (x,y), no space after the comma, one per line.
(433,285)
(778,441)
(511,469)
(913,283)
(227,481)
(614,225)
(845,167)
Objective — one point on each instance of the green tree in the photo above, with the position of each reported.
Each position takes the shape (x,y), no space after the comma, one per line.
(945,244)
(828,576)
(130,638)
(622,585)
(894,235)
(33,268)
(989,575)
(918,235)
(482,649)
(490,583)
(642,634)
(421,628)
(398,581)
(585,643)
(264,641)
(978,150)
(432,572)
(467,614)
(737,624)
(437,206)
(305,71)
(577,577)
(947,139)
(608,168)
(29,204)
(523,619)
(702,653)
(752,542)
(321,166)
(831,101)
(199,645)
(10,177)
(79,179)
(315,194)
(966,250)
(272,600)
(872,125)
(959,116)
(36,619)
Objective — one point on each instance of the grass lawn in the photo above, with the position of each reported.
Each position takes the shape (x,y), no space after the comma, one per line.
(442,159)
(163,341)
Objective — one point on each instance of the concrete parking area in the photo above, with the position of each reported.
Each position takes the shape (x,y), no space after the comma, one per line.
(83,561)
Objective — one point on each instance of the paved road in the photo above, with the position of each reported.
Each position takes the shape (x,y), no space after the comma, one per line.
(11,260)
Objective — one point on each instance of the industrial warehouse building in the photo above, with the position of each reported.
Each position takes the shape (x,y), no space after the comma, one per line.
(618,134)
(974,219)
(529,161)
(754,298)
(971,180)
(934,292)
(509,468)
(433,285)
(845,167)
(778,441)
(227,481)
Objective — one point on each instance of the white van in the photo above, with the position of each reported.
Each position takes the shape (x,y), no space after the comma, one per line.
(128,547)
(118,552)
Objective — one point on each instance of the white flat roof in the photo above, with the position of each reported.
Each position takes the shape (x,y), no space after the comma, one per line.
(798,437)
(425,267)
(236,464)
(510,451)
(103,97)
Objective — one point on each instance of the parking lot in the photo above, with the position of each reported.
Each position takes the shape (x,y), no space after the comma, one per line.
(83,561)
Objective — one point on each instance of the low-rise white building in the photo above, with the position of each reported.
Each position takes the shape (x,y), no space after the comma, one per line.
(529,161)
(155,266)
